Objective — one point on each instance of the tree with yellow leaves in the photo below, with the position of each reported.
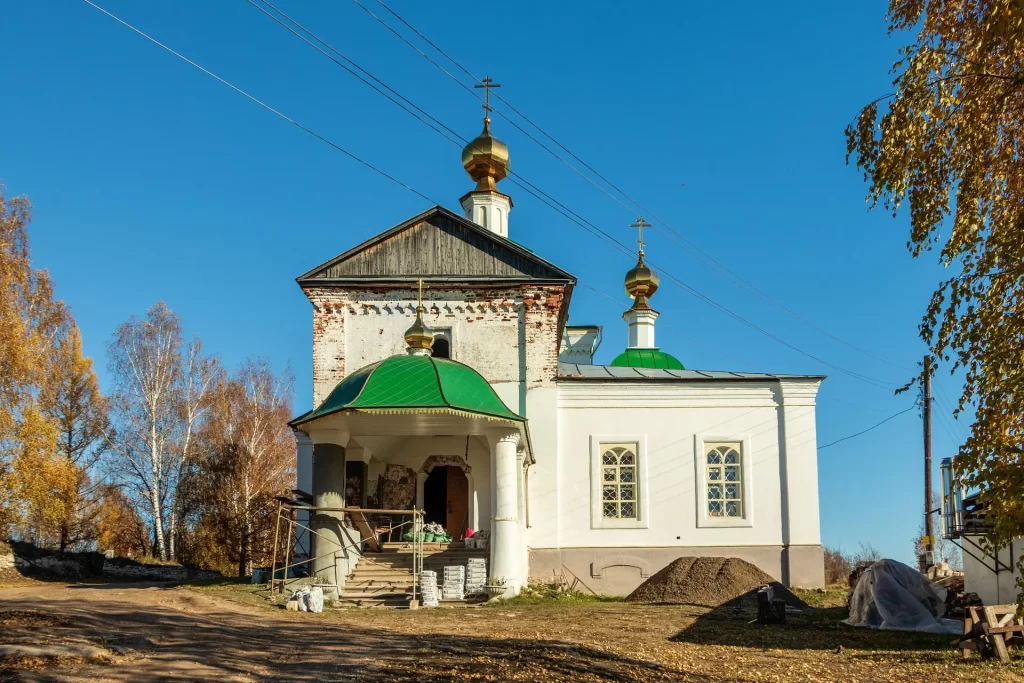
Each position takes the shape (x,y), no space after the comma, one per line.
(34,479)
(948,145)
(248,459)
(72,401)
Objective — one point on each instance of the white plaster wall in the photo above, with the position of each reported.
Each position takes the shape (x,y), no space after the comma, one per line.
(669,415)
(993,588)
(509,335)
(543,495)
(304,482)
(800,468)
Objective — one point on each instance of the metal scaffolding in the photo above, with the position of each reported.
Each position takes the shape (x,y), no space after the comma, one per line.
(363,520)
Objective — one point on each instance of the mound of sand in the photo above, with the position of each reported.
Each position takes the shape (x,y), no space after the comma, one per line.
(710,582)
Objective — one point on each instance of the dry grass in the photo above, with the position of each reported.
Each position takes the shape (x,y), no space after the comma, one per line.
(661,642)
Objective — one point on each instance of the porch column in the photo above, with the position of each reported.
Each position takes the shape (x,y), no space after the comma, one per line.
(506,536)
(329,491)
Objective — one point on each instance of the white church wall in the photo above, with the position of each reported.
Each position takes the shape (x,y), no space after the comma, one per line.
(304,482)
(671,422)
(802,528)
(667,417)
(509,335)
(543,496)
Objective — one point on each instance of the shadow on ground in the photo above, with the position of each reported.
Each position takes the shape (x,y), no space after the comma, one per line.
(180,636)
(809,629)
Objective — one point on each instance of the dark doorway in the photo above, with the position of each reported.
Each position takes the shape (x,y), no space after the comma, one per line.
(446,500)
(435,496)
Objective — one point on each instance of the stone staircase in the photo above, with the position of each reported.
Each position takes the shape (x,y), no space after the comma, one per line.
(384,579)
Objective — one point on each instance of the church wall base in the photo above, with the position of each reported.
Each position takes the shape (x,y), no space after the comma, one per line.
(618,571)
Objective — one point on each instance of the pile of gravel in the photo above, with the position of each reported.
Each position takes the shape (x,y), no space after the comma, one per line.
(710,582)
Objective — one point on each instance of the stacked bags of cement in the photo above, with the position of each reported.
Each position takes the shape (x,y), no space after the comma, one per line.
(476,575)
(428,588)
(454,583)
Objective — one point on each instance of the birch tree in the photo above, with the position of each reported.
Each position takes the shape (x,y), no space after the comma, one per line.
(251,460)
(145,364)
(200,378)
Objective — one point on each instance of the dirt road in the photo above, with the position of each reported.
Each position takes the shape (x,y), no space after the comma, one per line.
(140,633)
(154,633)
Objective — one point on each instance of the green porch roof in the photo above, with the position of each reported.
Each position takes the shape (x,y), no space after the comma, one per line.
(647,358)
(414,384)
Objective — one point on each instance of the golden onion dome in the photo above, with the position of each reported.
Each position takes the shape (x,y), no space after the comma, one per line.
(419,338)
(486,160)
(641,283)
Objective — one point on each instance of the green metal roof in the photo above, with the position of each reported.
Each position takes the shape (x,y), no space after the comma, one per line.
(647,358)
(414,384)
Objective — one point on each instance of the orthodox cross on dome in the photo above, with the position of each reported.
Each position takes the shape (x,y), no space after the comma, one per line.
(641,224)
(487,84)
(419,296)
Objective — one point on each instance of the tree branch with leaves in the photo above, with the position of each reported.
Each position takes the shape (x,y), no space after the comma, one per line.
(946,146)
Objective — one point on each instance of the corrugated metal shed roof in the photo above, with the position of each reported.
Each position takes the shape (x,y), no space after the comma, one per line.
(576,371)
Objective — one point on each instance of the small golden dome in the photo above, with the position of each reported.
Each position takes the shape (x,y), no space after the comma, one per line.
(641,283)
(419,338)
(486,160)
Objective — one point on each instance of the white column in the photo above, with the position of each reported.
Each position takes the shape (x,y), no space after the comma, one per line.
(641,328)
(329,492)
(506,534)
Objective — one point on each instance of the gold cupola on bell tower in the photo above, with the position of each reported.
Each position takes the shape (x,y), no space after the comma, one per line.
(641,281)
(486,160)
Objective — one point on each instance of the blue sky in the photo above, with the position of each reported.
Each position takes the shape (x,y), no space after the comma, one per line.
(153,181)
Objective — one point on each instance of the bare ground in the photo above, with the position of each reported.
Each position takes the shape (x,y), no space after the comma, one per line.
(155,633)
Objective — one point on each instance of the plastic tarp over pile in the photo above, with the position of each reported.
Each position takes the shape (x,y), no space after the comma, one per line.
(892,596)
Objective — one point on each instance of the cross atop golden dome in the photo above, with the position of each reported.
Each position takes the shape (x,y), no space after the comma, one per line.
(485,158)
(418,337)
(641,281)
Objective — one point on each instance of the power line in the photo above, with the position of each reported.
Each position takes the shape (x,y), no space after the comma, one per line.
(851,436)
(340,149)
(263,104)
(532,189)
(536,192)
(685,243)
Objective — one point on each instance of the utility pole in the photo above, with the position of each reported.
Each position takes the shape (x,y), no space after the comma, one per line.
(929,529)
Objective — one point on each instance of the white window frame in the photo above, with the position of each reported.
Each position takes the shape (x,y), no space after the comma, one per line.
(746,479)
(597,519)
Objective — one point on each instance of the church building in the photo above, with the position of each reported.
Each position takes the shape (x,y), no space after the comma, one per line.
(447,378)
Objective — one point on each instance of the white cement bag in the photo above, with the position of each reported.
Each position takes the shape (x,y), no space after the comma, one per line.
(314,599)
(299,596)
(892,596)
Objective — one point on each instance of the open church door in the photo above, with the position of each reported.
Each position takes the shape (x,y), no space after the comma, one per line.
(458,503)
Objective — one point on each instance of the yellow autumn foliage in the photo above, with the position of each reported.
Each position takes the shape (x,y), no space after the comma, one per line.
(36,481)
(946,146)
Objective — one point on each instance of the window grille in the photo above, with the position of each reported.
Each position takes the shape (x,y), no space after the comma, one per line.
(619,495)
(724,473)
